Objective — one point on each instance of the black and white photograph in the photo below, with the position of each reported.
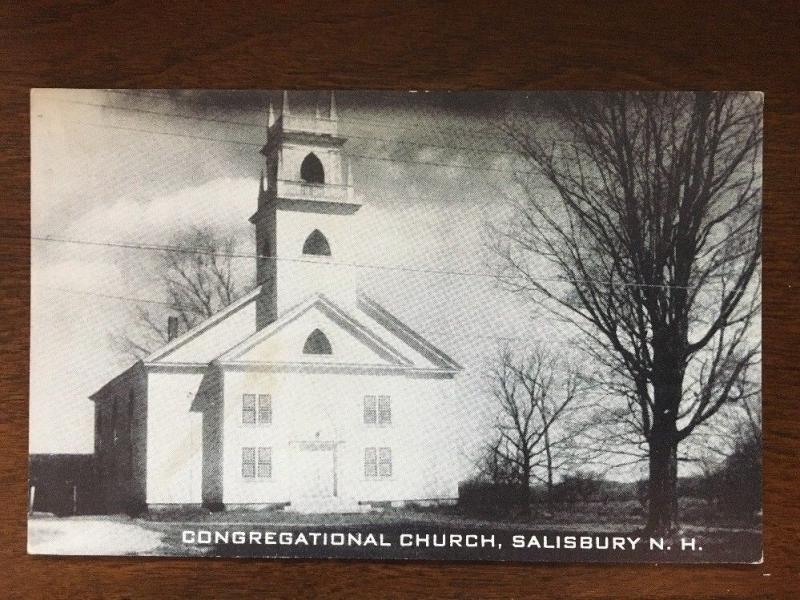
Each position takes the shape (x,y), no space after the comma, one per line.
(487,325)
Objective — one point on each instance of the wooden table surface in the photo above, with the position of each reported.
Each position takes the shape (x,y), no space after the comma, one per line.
(422,45)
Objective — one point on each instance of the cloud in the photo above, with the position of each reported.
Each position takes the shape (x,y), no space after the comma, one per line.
(224,203)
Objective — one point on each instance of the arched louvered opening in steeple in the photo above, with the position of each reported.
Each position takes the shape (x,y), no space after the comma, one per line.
(317,244)
(311,170)
(317,343)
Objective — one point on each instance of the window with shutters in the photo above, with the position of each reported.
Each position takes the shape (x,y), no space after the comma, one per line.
(377,410)
(257,463)
(256,409)
(378,463)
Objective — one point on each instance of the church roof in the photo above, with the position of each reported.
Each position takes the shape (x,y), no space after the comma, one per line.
(202,343)
(362,338)
(365,337)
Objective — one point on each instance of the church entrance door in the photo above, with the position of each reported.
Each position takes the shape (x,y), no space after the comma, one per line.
(315,470)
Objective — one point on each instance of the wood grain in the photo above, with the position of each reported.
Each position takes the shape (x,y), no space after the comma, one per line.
(456,45)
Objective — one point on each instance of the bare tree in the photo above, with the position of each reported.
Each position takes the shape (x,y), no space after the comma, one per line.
(196,279)
(495,466)
(533,440)
(653,229)
(729,455)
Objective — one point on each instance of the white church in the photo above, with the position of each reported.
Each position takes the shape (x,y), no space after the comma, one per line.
(303,394)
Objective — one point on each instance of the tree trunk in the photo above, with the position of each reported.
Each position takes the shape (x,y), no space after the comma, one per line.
(662,499)
(549,471)
(668,374)
(526,491)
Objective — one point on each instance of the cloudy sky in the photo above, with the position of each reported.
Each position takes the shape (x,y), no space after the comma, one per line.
(142,167)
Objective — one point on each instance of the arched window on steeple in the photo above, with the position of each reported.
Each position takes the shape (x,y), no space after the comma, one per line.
(317,244)
(311,170)
(317,343)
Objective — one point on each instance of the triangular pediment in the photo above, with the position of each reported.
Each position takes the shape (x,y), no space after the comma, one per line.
(317,332)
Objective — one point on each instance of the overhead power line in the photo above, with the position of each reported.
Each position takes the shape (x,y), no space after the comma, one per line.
(357,265)
(465,131)
(262,126)
(202,251)
(347,154)
(175,305)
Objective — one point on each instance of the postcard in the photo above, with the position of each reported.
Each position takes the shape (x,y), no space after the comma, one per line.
(503,326)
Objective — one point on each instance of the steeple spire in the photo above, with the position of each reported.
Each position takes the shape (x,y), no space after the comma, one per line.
(333,115)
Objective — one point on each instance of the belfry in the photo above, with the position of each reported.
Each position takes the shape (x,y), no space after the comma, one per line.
(305,207)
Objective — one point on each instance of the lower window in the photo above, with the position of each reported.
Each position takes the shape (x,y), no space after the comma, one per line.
(257,463)
(377,463)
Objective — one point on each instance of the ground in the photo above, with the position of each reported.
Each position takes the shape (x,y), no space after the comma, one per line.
(101,535)
(161,534)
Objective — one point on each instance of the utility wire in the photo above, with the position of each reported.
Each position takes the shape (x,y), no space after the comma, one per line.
(113,297)
(426,128)
(480,133)
(175,305)
(201,251)
(403,268)
(347,154)
(262,126)
(171,134)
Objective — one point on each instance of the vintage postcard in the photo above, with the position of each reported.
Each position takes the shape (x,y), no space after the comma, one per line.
(396,325)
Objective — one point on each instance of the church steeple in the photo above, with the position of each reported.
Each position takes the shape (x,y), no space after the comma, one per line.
(333,115)
(305,211)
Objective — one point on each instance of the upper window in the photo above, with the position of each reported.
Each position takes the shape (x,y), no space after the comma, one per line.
(317,343)
(377,410)
(317,244)
(311,170)
(260,413)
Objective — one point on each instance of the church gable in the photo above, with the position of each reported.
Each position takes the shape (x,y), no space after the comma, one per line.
(317,331)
